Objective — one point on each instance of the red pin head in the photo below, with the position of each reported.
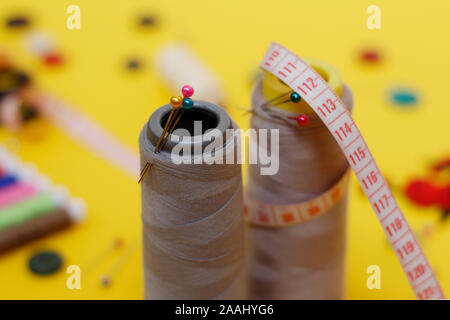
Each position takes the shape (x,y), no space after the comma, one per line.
(302,120)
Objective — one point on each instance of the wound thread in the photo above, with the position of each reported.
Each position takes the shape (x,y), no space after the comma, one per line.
(304,261)
(193,229)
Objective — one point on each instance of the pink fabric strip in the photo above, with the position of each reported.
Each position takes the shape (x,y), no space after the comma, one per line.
(15,193)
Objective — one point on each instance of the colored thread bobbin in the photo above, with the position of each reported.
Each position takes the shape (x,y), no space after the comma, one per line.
(29,208)
(15,193)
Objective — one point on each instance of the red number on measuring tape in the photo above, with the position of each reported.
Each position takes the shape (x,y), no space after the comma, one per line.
(417,272)
(370,180)
(394,227)
(343,131)
(357,155)
(272,57)
(406,249)
(263,216)
(327,106)
(307,86)
(382,203)
(426,293)
(287,69)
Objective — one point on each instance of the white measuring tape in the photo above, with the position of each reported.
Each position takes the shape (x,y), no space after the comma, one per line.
(269,215)
(304,80)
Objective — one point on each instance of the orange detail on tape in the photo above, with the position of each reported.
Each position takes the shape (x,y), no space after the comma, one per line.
(270,215)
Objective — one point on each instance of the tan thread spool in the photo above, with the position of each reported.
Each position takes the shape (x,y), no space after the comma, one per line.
(304,261)
(193,226)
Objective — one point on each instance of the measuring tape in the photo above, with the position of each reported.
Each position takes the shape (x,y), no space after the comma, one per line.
(304,80)
(89,134)
(269,215)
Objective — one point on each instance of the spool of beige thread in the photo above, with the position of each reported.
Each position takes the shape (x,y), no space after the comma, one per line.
(193,229)
(306,260)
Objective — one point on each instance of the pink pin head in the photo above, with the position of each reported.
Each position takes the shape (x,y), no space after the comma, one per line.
(187,91)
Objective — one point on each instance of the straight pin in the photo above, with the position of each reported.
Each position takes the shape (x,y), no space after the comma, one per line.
(294,98)
(247,111)
(174,117)
(176,102)
(187,104)
(163,137)
(171,130)
(107,278)
(277,98)
(144,171)
(106,253)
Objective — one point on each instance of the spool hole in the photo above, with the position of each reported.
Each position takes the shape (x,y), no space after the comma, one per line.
(208,120)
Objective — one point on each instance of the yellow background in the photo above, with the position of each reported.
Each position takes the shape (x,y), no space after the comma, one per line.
(231,36)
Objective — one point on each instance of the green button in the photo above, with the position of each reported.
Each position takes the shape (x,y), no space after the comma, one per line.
(45,262)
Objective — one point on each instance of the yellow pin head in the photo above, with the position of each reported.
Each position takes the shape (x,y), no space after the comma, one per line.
(176,101)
